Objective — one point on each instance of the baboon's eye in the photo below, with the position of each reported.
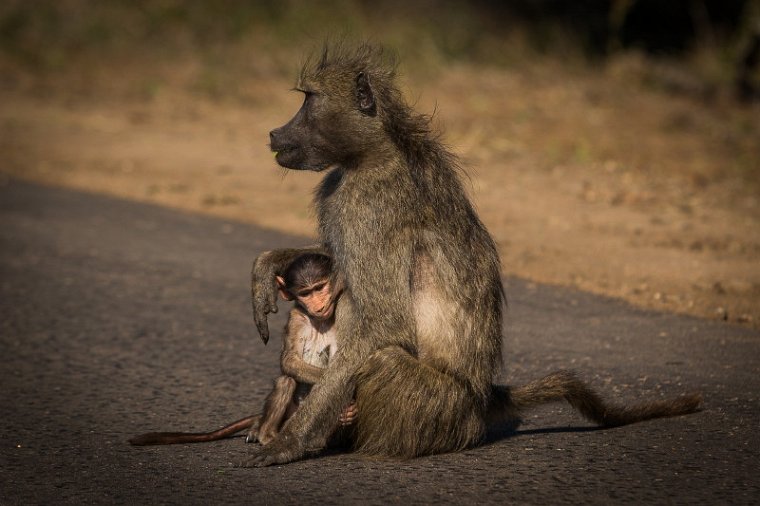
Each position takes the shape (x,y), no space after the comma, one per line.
(306,93)
(308,98)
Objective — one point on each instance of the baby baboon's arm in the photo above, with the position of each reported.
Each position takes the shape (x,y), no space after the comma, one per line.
(292,362)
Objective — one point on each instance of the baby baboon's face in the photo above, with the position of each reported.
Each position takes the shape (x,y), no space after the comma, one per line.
(317,299)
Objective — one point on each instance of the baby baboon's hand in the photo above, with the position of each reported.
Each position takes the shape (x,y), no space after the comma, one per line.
(348,415)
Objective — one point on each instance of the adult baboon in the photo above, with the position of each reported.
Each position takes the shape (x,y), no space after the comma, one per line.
(419,322)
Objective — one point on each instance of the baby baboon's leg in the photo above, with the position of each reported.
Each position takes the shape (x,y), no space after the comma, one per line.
(275,407)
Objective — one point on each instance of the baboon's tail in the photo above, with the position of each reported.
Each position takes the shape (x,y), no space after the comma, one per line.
(169,438)
(565,385)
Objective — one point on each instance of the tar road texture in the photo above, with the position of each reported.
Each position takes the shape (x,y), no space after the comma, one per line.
(118,318)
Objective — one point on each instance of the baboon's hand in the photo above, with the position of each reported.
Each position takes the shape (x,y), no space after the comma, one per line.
(263,293)
(282,450)
(348,415)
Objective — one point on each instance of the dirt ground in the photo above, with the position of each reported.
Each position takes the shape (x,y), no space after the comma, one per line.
(588,178)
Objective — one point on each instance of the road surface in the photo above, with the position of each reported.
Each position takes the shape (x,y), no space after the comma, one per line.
(118,318)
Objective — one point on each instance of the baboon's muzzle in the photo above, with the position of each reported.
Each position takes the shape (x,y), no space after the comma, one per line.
(288,154)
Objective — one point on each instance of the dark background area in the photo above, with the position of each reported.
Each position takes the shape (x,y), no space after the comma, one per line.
(33,31)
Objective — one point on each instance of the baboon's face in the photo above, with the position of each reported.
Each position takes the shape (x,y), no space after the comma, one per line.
(332,126)
(315,297)
(317,300)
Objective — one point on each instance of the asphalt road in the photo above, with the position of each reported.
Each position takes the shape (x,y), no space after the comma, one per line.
(118,318)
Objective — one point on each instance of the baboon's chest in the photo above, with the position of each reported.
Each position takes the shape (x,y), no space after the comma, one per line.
(352,221)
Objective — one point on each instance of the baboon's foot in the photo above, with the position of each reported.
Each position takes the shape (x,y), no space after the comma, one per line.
(280,451)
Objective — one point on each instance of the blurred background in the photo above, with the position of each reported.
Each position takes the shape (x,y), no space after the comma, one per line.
(610,145)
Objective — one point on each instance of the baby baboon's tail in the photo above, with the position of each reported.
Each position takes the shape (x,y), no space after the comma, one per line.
(169,438)
(565,385)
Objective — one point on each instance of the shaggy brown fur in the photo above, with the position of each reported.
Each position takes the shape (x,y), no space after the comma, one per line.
(419,322)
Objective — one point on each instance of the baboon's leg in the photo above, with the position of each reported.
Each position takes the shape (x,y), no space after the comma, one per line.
(275,407)
(408,408)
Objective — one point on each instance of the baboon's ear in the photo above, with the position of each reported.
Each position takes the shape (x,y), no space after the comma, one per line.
(364,95)
(283,289)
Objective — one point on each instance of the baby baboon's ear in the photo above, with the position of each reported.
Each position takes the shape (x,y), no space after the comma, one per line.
(364,96)
(284,292)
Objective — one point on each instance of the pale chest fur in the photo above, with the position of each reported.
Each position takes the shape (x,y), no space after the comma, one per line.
(318,343)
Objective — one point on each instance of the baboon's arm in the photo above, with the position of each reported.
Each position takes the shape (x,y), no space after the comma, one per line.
(295,367)
(313,422)
(264,286)
(292,362)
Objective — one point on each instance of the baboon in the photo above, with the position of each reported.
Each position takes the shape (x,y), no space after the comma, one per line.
(307,345)
(419,320)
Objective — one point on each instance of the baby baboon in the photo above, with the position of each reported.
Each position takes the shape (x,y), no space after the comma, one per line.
(419,325)
(308,343)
